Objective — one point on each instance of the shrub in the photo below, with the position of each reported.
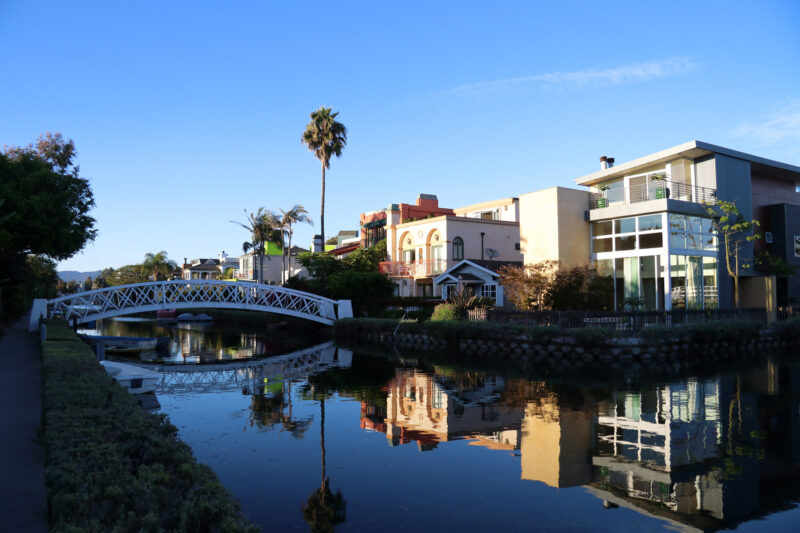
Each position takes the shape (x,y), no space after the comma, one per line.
(421,315)
(109,465)
(788,330)
(589,337)
(445,312)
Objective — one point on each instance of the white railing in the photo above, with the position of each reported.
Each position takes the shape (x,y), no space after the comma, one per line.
(187,294)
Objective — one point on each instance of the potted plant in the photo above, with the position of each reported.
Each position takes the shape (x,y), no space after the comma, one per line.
(602,202)
(658,180)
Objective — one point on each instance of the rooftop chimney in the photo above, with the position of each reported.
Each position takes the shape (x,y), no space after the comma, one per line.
(610,161)
(603,162)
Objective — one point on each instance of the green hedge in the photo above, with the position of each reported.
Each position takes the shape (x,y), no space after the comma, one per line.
(110,466)
(733,331)
(450,330)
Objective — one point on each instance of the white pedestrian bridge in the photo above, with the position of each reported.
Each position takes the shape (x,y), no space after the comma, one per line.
(188,294)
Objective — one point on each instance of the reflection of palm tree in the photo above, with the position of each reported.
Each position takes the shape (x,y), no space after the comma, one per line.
(324,509)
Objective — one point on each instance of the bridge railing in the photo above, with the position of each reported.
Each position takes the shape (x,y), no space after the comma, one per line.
(152,296)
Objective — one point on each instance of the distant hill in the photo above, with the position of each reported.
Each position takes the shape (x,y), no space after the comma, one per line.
(74,275)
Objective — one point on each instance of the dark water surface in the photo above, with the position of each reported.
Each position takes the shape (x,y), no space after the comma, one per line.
(405,444)
(398,442)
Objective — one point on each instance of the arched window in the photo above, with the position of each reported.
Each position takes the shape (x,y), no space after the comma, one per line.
(458,249)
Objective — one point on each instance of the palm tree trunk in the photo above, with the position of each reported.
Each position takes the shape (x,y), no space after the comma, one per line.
(283,259)
(322,436)
(290,250)
(322,209)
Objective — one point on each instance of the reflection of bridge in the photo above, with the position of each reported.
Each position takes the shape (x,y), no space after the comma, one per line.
(180,294)
(250,375)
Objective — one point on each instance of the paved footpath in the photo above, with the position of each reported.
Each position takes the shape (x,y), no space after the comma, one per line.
(23,501)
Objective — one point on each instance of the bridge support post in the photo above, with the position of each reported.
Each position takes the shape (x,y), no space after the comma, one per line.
(38,312)
(345,309)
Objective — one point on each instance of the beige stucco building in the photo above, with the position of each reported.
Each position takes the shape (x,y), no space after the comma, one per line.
(418,251)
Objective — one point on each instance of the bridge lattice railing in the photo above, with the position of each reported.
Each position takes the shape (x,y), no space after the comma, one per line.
(125,299)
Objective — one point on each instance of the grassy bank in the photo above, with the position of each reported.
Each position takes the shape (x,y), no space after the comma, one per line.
(110,466)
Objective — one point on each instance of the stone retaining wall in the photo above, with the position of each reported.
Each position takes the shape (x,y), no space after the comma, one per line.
(564,352)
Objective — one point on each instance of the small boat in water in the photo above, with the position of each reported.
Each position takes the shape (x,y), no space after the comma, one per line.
(124,344)
(166,314)
(135,379)
(189,317)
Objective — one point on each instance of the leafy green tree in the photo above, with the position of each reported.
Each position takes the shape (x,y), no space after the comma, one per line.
(326,137)
(45,210)
(127,275)
(158,265)
(735,231)
(367,260)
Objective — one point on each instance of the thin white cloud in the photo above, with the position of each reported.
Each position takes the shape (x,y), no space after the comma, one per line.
(633,73)
(781,126)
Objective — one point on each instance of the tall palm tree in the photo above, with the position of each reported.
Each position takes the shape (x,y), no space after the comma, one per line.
(297,214)
(158,265)
(325,137)
(258,224)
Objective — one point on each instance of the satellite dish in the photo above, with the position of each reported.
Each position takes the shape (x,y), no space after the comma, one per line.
(492,253)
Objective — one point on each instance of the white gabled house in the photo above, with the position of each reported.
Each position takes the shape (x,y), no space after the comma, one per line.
(480,277)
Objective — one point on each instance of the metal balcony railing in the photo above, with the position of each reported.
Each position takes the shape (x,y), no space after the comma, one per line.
(414,269)
(654,190)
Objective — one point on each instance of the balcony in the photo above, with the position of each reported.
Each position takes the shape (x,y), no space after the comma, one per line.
(414,269)
(653,189)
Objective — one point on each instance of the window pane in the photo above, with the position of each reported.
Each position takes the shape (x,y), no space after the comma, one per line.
(601,228)
(677,240)
(677,271)
(710,291)
(677,222)
(603,286)
(625,225)
(625,243)
(602,245)
(693,225)
(649,222)
(694,283)
(650,240)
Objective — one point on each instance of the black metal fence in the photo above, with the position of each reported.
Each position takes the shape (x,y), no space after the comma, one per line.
(631,321)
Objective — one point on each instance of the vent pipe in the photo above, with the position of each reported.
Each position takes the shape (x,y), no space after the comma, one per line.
(606,162)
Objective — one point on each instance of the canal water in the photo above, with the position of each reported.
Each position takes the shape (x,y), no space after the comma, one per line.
(322,436)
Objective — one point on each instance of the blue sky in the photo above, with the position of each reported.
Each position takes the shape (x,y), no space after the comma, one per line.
(186,113)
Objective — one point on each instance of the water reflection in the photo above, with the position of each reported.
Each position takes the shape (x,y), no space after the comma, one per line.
(695,454)
(201,342)
(701,453)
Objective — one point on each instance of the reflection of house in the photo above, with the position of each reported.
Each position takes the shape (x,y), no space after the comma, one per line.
(419,251)
(651,233)
(428,411)
(556,443)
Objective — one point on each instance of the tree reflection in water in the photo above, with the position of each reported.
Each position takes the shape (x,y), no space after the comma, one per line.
(324,509)
(269,406)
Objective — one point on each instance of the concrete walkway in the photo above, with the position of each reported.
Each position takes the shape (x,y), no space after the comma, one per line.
(23,500)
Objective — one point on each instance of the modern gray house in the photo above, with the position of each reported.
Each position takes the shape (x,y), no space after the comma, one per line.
(652,234)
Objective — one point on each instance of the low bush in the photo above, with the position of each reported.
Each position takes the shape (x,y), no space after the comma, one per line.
(110,466)
(787,330)
(445,312)
(590,337)
(421,315)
